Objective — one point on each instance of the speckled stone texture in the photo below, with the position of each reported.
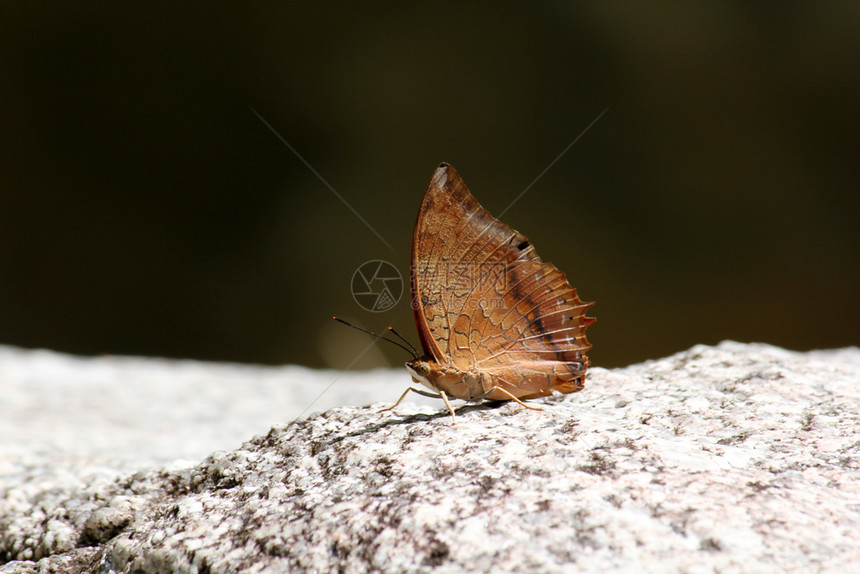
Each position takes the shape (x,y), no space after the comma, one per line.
(735,458)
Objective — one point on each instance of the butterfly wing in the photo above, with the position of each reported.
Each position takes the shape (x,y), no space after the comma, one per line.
(483,299)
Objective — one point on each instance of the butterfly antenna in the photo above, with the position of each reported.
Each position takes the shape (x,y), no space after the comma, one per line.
(402,338)
(377,335)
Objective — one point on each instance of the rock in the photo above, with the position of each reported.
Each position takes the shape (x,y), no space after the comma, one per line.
(128,413)
(739,457)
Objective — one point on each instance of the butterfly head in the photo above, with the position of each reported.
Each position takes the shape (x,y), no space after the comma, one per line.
(420,370)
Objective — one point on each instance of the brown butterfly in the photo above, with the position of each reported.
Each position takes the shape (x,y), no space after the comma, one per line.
(495,322)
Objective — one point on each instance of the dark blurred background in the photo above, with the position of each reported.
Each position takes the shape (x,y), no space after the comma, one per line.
(145,209)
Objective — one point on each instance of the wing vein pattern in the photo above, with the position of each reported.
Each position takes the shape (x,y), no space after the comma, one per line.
(484,299)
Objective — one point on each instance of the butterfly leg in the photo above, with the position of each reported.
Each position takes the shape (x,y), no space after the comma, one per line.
(512,397)
(403,396)
(441,395)
(450,408)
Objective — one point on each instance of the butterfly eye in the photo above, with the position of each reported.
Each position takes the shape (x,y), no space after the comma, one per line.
(420,368)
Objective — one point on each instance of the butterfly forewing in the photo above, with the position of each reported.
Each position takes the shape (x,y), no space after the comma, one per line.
(484,300)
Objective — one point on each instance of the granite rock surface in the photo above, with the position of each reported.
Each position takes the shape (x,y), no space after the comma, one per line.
(734,458)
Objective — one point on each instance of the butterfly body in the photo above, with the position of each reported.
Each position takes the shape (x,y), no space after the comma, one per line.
(452,381)
(494,320)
